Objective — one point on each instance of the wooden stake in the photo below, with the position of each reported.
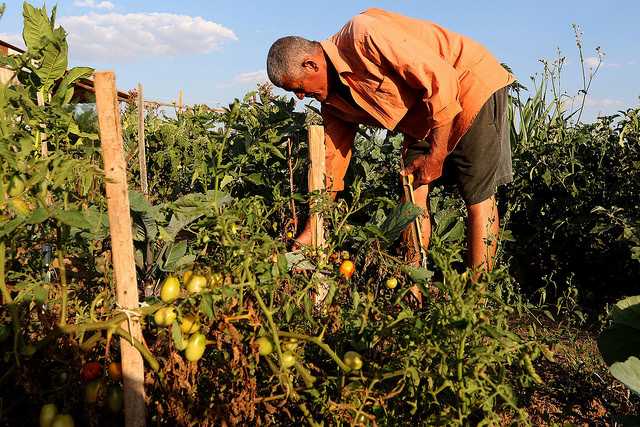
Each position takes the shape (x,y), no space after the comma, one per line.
(180,104)
(141,150)
(122,243)
(317,177)
(317,182)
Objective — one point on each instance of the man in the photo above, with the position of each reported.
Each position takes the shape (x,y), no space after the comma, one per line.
(444,91)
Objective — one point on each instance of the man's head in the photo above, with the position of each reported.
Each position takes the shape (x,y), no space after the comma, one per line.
(298,65)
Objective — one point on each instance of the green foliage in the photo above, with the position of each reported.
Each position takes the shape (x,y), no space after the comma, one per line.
(571,208)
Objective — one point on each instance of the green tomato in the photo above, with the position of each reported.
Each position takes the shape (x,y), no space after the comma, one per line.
(47,413)
(196,284)
(195,347)
(16,186)
(94,390)
(265,347)
(165,316)
(290,344)
(63,420)
(288,359)
(353,360)
(170,289)
(115,398)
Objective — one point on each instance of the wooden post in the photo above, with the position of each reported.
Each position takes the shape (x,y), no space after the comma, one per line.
(122,243)
(180,104)
(317,177)
(141,150)
(317,182)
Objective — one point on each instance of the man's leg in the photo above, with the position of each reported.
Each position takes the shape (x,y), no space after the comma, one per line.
(482,234)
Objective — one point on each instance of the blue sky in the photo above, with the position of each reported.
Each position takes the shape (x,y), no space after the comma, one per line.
(214,51)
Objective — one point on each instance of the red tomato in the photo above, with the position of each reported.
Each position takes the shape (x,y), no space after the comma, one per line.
(91,371)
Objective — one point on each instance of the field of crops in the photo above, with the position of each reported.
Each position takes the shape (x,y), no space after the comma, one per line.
(234,331)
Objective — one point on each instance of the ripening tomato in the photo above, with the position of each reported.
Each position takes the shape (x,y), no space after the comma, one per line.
(115,398)
(165,316)
(353,360)
(170,289)
(196,283)
(16,186)
(391,282)
(115,371)
(91,371)
(195,347)
(189,324)
(347,268)
(63,420)
(265,347)
(47,413)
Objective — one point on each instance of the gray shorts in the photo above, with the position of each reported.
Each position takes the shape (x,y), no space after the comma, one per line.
(482,159)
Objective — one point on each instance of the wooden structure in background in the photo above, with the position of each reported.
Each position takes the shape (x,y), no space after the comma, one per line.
(122,244)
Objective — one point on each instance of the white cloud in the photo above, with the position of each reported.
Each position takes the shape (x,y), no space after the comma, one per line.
(91,3)
(246,78)
(590,102)
(127,38)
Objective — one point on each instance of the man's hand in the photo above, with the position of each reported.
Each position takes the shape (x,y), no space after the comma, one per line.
(425,170)
(428,168)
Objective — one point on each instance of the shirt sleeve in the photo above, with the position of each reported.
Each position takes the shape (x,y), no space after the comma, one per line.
(338,142)
(419,65)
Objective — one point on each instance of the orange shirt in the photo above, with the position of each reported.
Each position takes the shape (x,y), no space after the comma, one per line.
(403,74)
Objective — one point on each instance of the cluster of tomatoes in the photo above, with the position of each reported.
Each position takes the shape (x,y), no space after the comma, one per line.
(95,388)
(193,341)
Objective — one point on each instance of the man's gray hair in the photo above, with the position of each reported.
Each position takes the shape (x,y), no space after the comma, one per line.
(286,57)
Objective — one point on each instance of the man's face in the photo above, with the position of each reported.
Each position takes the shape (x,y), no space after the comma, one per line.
(313,83)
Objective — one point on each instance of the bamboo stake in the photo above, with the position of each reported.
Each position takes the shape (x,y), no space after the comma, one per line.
(122,243)
(141,150)
(180,104)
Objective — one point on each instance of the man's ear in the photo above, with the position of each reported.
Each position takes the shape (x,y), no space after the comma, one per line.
(310,65)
